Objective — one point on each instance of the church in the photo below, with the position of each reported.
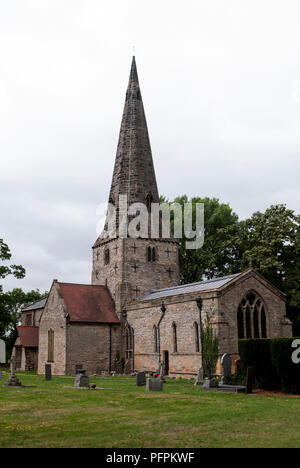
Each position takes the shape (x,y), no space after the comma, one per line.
(135,314)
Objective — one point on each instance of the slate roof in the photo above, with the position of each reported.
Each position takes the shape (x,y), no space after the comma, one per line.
(214,283)
(40,304)
(29,336)
(88,303)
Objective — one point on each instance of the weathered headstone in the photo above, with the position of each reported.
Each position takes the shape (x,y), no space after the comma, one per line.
(99,370)
(78,367)
(13,380)
(249,379)
(154,385)
(199,378)
(82,380)
(140,379)
(48,372)
(2,352)
(226,363)
(161,372)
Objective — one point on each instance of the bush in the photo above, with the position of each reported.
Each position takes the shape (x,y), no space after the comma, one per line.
(256,353)
(288,372)
(272,362)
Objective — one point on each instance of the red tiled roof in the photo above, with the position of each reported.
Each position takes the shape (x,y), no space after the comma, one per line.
(29,336)
(88,303)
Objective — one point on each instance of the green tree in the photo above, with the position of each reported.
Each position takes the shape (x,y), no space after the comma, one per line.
(18,272)
(271,241)
(218,256)
(14,301)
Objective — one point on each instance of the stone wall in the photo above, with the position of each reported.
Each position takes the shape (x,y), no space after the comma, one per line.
(129,266)
(54,316)
(89,345)
(229,301)
(182,311)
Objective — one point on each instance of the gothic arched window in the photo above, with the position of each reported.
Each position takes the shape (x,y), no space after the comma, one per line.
(51,345)
(251,317)
(174,329)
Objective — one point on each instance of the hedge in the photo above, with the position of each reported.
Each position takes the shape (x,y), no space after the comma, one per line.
(272,361)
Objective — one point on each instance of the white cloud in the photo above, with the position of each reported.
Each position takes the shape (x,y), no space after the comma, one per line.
(217,78)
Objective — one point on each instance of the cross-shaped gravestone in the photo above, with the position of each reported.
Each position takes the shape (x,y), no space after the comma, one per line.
(13,380)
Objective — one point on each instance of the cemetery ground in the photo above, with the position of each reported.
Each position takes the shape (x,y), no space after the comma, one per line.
(185,416)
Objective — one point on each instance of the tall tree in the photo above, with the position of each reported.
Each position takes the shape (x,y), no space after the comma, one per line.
(18,272)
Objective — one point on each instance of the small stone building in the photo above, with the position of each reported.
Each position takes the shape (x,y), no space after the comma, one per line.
(136,309)
(78,326)
(26,345)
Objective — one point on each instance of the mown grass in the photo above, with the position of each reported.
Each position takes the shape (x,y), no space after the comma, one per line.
(52,415)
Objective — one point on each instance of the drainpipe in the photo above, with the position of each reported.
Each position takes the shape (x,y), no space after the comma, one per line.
(199,305)
(163,311)
(109,348)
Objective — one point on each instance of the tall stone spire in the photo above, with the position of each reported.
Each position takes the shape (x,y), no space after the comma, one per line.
(131,266)
(134,173)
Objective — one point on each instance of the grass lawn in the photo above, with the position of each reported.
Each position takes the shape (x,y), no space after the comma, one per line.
(182,416)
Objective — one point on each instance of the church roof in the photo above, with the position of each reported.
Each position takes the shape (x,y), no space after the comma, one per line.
(40,304)
(88,303)
(29,336)
(212,284)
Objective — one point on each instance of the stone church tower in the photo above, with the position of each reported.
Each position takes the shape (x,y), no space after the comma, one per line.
(132,267)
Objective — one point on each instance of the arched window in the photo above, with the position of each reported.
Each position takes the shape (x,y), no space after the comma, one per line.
(174,337)
(51,345)
(251,317)
(106,256)
(155,347)
(151,254)
(196,332)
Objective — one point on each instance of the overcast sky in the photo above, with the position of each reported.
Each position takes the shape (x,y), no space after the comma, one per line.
(221,88)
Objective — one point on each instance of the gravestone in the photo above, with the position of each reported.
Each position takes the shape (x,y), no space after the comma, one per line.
(199,378)
(161,372)
(13,380)
(48,372)
(226,363)
(154,385)
(0,376)
(2,352)
(99,370)
(82,380)
(249,379)
(140,379)
(78,367)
